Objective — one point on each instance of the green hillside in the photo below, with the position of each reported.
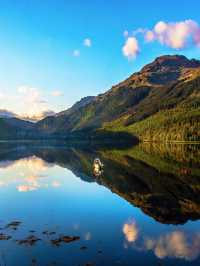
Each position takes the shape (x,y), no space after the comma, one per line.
(176,124)
(161,102)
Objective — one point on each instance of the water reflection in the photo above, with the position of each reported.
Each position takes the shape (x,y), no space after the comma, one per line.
(131,231)
(163,181)
(175,244)
(31,173)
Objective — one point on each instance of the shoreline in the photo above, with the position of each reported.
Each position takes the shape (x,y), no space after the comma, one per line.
(93,141)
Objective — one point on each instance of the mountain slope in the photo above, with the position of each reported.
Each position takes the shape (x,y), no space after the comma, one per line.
(6,113)
(14,128)
(168,83)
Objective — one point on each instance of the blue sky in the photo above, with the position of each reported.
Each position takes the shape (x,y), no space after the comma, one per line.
(55,52)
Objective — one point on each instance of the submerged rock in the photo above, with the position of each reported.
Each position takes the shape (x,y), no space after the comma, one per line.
(48,233)
(13,225)
(4,237)
(29,241)
(83,248)
(64,239)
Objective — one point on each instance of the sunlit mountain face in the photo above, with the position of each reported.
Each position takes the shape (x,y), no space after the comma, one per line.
(144,206)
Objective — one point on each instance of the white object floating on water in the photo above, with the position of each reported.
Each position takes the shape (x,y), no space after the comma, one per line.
(97,167)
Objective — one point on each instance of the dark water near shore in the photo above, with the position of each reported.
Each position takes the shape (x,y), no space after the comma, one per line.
(144,209)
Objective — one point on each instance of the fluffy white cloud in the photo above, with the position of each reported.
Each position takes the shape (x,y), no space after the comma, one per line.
(56,93)
(76,53)
(87,42)
(175,34)
(131,48)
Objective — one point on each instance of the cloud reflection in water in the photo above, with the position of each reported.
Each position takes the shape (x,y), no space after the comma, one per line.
(175,244)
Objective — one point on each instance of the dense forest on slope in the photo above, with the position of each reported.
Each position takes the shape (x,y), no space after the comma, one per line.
(177,124)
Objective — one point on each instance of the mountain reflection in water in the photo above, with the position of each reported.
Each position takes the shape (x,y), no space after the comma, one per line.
(162,180)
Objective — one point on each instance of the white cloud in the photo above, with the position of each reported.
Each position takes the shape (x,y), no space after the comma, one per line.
(39,116)
(131,48)
(87,42)
(76,53)
(176,35)
(56,93)
(31,99)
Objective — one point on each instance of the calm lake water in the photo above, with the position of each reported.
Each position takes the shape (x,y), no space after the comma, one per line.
(144,209)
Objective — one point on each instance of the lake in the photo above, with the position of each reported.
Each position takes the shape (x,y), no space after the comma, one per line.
(142,209)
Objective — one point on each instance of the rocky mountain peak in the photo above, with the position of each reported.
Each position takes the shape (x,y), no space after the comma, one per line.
(170,63)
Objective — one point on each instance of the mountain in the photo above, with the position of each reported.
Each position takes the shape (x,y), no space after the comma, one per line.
(82,103)
(160,102)
(60,123)
(14,128)
(6,113)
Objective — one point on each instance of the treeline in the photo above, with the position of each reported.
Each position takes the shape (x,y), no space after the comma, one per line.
(178,124)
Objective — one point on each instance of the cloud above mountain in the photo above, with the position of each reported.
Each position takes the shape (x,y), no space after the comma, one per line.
(36,105)
(131,48)
(175,35)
